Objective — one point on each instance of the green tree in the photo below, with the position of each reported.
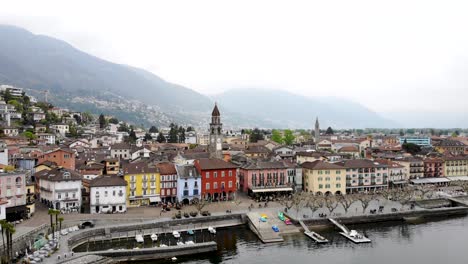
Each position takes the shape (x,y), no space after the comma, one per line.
(102,121)
(7,95)
(113,120)
(161,138)
(153,129)
(256,135)
(173,133)
(189,128)
(87,117)
(288,137)
(411,148)
(181,134)
(402,133)
(148,137)
(329,131)
(123,128)
(29,135)
(132,136)
(276,136)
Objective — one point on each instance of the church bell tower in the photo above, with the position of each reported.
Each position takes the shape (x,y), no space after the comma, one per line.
(216,137)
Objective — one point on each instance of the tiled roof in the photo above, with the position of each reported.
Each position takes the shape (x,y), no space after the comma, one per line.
(122,145)
(166,168)
(187,171)
(361,163)
(262,165)
(214,164)
(58,175)
(321,165)
(139,167)
(107,180)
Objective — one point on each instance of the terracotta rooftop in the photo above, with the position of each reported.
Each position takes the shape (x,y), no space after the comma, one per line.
(321,165)
(214,164)
(58,175)
(166,168)
(107,180)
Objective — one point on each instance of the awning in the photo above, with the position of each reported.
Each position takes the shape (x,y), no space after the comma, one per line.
(430,180)
(282,189)
(156,199)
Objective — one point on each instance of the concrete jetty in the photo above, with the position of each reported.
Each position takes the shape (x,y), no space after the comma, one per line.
(313,235)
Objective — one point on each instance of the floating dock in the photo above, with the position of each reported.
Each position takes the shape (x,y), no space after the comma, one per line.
(357,238)
(314,236)
(352,235)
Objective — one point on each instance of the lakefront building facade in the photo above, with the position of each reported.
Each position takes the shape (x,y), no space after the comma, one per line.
(324,178)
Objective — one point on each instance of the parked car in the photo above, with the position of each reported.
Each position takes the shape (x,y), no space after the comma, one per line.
(85,224)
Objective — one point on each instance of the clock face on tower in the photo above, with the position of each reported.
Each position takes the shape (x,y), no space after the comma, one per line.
(219,140)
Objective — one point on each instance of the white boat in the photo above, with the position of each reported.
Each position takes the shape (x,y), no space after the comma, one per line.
(176,234)
(211,230)
(190,242)
(163,245)
(154,237)
(174,258)
(139,238)
(180,243)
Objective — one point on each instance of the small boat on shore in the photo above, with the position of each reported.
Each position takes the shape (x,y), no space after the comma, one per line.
(212,230)
(176,234)
(139,239)
(154,237)
(180,243)
(190,232)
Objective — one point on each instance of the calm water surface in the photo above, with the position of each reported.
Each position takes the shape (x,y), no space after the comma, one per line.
(442,241)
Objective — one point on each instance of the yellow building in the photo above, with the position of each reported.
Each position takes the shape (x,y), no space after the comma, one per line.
(30,198)
(323,178)
(456,166)
(143,184)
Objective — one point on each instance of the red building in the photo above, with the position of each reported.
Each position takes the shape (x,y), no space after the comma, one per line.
(218,178)
(62,157)
(168,181)
(433,167)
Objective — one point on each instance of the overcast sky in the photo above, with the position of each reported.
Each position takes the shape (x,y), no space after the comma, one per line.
(389,55)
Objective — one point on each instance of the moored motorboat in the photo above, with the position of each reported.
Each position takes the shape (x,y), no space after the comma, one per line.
(154,237)
(139,238)
(211,230)
(176,234)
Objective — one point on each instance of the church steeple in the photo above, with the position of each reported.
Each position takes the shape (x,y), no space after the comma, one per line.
(216,136)
(317,133)
(215,115)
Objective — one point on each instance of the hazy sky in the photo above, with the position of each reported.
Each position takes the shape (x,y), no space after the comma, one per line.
(389,55)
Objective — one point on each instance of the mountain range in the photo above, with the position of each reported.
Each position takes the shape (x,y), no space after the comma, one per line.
(83,82)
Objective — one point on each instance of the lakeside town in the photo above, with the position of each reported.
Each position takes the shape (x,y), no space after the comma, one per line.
(71,166)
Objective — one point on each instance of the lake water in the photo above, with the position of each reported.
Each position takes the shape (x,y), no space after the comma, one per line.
(435,242)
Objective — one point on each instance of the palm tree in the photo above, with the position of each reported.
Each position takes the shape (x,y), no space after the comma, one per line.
(11,231)
(60,222)
(51,212)
(3,225)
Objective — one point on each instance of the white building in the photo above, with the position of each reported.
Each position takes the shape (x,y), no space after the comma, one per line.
(13,191)
(108,194)
(3,209)
(188,183)
(14,91)
(61,129)
(190,137)
(60,188)
(49,138)
(3,153)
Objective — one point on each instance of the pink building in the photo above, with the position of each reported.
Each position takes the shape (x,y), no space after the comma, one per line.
(264,178)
